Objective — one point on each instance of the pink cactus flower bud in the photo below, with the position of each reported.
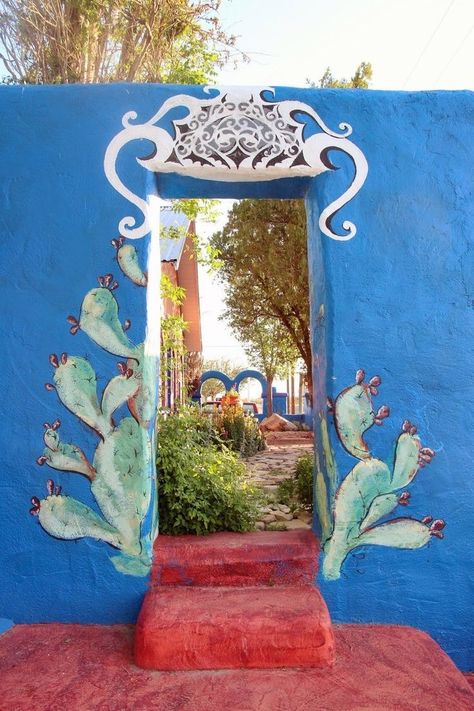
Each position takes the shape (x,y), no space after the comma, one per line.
(383,412)
(35,509)
(360,375)
(53,359)
(436,528)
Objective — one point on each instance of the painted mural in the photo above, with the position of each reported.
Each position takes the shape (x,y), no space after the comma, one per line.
(122,472)
(373,489)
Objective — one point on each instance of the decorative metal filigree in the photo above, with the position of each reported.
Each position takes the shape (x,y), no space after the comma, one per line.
(237,135)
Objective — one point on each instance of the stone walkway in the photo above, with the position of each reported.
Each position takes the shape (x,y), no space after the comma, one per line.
(267,470)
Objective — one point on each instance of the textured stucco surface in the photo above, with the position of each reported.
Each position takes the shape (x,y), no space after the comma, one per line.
(399,301)
(53,667)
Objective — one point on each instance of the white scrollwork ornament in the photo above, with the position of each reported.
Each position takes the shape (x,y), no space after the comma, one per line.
(237,135)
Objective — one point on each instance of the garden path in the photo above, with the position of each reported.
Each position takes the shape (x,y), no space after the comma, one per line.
(268,469)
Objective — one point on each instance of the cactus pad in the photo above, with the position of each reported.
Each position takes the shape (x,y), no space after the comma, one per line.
(369,492)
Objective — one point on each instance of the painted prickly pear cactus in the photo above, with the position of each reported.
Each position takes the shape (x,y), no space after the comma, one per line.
(121,473)
(372,489)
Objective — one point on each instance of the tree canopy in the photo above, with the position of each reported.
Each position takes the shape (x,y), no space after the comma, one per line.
(360,80)
(264,265)
(270,349)
(99,41)
(264,269)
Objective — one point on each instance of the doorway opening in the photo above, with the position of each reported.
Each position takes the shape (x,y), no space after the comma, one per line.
(253,394)
(246,144)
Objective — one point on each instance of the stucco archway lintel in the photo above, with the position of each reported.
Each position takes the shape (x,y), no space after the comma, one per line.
(236,134)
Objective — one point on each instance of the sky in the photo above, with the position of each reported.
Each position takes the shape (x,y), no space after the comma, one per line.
(411,44)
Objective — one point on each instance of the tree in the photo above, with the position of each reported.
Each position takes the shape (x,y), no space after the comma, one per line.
(269,348)
(361,79)
(264,268)
(212,387)
(263,256)
(92,41)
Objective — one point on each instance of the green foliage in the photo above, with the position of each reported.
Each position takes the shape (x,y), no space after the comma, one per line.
(269,348)
(304,479)
(240,431)
(287,491)
(190,61)
(361,79)
(92,41)
(298,491)
(201,483)
(264,266)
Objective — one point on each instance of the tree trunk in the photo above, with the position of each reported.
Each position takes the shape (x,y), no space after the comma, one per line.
(309,381)
(269,397)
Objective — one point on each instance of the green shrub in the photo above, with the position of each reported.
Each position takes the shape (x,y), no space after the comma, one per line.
(201,484)
(298,491)
(304,479)
(287,492)
(240,431)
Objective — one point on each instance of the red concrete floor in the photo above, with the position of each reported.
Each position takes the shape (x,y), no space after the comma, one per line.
(60,667)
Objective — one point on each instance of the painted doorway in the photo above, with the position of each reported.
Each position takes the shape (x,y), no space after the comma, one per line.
(244,143)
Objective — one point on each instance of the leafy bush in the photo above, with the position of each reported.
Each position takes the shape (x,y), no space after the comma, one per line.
(201,484)
(298,491)
(287,491)
(304,479)
(240,431)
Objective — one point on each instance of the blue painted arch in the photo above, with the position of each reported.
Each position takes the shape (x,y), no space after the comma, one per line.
(214,375)
(255,375)
(228,383)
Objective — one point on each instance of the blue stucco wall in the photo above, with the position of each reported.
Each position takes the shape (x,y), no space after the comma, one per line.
(398,302)
(57,219)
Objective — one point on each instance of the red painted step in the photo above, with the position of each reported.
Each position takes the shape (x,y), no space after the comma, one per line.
(236,559)
(233,628)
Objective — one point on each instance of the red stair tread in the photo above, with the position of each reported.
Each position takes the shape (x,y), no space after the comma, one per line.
(82,667)
(235,559)
(232,628)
